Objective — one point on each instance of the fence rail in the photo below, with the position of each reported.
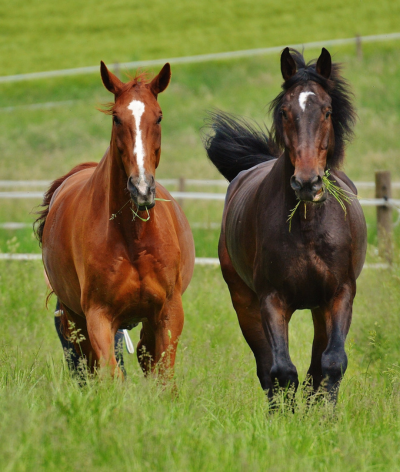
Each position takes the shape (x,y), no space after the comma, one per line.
(358,40)
(187,182)
(203,261)
(389,202)
(383,201)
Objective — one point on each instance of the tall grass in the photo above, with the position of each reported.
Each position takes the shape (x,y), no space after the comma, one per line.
(220,419)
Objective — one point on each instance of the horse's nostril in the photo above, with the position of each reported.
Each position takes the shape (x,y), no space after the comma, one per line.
(295,183)
(316,182)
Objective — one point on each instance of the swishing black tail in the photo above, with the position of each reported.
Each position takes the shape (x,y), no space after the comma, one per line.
(236,144)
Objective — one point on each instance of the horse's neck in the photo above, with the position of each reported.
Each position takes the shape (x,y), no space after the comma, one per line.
(112,200)
(109,181)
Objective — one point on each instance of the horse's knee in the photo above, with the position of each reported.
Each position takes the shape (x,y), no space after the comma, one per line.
(285,375)
(334,365)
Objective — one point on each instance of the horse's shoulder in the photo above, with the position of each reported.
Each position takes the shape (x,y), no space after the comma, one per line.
(72,183)
(345,179)
(252,176)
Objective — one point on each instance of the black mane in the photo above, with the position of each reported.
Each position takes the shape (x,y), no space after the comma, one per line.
(235,144)
(343,113)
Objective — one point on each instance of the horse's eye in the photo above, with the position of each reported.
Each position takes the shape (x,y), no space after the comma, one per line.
(284,114)
(159,120)
(116,120)
(328,114)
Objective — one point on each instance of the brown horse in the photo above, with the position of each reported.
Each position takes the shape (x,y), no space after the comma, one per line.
(272,270)
(112,255)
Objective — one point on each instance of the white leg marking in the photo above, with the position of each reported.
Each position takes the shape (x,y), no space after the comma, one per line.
(128,342)
(137,109)
(303,98)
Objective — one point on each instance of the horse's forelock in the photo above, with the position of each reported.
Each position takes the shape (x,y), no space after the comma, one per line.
(343,112)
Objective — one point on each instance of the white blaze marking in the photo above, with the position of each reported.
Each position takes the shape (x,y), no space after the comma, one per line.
(303,98)
(137,109)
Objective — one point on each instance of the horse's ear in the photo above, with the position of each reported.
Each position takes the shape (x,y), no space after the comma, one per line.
(111,82)
(324,64)
(161,81)
(288,66)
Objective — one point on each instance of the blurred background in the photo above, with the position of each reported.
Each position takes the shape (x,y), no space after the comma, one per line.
(50,124)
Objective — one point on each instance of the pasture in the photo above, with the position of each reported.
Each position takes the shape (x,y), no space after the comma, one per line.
(220,419)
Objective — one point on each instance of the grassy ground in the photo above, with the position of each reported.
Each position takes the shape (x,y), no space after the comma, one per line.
(220,419)
(44,143)
(44,35)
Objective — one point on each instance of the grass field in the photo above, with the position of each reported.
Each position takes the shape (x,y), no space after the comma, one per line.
(220,419)
(43,35)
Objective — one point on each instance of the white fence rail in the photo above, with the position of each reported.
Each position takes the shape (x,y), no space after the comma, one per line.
(383,190)
(202,57)
(202,261)
(207,196)
(188,182)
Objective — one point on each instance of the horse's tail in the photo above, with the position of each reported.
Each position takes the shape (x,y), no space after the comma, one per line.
(236,144)
(39,223)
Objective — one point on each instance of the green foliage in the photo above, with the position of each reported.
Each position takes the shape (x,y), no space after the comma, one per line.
(47,142)
(220,419)
(44,35)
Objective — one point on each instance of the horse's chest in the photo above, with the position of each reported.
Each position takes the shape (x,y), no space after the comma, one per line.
(133,288)
(307,268)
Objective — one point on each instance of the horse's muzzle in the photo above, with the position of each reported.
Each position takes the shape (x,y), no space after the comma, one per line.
(309,191)
(142,193)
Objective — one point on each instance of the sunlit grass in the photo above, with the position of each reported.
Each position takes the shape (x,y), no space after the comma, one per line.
(220,419)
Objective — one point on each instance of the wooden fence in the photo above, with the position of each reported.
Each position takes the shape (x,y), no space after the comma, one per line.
(383,201)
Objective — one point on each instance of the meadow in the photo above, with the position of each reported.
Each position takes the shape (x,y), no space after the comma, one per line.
(220,420)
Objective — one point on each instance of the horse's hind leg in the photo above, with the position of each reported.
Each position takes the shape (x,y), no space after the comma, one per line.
(74,328)
(247,307)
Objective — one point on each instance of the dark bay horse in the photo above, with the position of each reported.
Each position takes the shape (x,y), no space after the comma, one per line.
(112,268)
(272,271)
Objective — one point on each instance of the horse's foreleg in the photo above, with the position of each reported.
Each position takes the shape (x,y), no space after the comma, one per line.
(319,345)
(102,335)
(247,307)
(337,320)
(159,339)
(167,331)
(275,317)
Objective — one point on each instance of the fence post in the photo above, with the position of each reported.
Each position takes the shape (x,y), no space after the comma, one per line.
(181,188)
(383,189)
(359,47)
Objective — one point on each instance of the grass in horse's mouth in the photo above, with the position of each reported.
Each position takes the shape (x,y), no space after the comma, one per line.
(114,215)
(341,195)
